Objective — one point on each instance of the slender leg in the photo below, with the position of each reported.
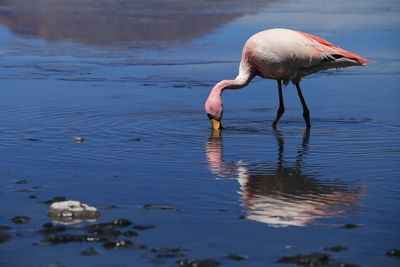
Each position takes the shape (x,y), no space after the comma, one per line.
(281,108)
(306,112)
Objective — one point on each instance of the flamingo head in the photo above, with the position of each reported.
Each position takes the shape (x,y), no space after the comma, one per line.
(214,110)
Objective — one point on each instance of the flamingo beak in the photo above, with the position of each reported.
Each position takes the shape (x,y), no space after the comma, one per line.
(216,124)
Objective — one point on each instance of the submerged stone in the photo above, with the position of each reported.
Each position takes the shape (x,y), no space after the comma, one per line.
(198,263)
(5,238)
(109,207)
(118,244)
(122,223)
(79,139)
(235,257)
(313,259)
(159,207)
(105,231)
(53,200)
(21,219)
(143,227)
(49,228)
(393,253)
(341,264)
(352,225)
(90,252)
(24,190)
(5,228)
(68,212)
(167,249)
(171,255)
(335,248)
(66,238)
(130,233)
(32,138)
(156,261)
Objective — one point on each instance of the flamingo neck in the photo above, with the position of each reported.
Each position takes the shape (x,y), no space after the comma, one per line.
(242,80)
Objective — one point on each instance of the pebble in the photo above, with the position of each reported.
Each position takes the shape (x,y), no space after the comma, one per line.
(313,259)
(393,253)
(90,252)
(352,225)
(143,227)
(235,257)
(5,238)
(159,207)
(335,248)
(197,263)
(21,219)
(79,139)
(53,200)
(118,244)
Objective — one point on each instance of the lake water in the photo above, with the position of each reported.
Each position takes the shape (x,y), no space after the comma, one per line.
(131,78)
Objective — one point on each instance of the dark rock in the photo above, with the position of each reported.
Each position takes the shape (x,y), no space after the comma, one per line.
(21,219)
(393,253)
(341,264)
(313,259)
(24,190)
(130,233)
(235,257)
(66,238)
(159,207)
(90,252)
(48,225)
(143,227)
(109,207)
(32,139)
(335,248)
(242,217)
(142,247)
(352,225)
(49,228)
(5,228)
(171,255)
(166,249)
(118,244)
(156,261)
(79,139)
(121,223)
(54,199)
(104,231)
(198,263)
(5,238)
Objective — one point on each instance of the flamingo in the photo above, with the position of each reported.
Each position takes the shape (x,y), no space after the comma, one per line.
(283,55)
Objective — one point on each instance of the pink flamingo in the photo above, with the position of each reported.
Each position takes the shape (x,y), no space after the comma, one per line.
(283,55)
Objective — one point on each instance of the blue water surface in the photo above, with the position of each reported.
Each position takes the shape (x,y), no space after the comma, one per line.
(132,78)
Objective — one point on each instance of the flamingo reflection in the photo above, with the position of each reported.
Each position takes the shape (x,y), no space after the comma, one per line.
(280,194)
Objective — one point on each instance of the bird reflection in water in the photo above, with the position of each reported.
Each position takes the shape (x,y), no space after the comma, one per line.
(281,194)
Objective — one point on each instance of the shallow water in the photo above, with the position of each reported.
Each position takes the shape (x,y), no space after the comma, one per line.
(137,97)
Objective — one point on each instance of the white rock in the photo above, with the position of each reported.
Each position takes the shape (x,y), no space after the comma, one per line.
(72,212)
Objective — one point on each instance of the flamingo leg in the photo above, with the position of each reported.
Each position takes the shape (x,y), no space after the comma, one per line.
(281,108)
(306,112)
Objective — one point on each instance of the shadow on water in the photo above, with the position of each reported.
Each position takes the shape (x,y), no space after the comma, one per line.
(113,22)
(281,193)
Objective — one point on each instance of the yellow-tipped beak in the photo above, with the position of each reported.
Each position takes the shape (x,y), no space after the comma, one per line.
(215,124)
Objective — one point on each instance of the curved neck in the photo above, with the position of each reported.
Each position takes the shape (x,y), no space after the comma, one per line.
(242,80)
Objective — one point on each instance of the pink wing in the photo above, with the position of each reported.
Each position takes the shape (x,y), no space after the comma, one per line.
(337,50)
